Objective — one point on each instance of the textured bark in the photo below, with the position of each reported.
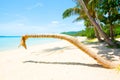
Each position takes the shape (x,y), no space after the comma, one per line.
(97,35)
(105,63)
(111,32)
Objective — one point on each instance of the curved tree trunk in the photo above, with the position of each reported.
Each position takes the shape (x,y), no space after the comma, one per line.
(81,2)
(97,35)
(105,63)
(112,32)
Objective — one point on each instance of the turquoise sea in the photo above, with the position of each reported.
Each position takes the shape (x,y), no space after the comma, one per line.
(12,42)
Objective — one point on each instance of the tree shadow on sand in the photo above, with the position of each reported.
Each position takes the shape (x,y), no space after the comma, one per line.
(103,51)
(64,63)
(55,50)
(58,48)
(112,54)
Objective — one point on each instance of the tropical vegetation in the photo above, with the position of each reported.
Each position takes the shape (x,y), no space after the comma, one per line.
(90,33)
(103,16)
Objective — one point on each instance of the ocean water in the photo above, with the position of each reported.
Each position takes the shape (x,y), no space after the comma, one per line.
(12,42)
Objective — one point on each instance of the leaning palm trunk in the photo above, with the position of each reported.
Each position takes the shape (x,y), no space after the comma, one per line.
(81,2)
(97,35)
(112,32)
(105,63)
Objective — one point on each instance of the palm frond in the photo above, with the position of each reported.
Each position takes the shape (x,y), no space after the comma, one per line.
(78,19)
(71,11)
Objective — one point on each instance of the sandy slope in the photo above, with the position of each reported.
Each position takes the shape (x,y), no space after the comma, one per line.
(54,61)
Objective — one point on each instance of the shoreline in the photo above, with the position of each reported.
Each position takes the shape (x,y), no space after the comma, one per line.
(10,43)
(53,61)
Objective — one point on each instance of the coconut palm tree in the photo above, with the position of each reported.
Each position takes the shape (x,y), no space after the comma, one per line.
(91,5)
(105,63)
(109,12)
(77,10)
(95,24)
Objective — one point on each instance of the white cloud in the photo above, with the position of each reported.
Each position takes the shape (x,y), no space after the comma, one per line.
(37,5)
(79,23)
(21,27)
(55,22)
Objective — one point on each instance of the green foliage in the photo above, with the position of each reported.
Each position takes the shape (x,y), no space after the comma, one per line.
(72,33)
(90,33)
(81,33)
(106,30)
(71,11)
(106,11)
(117,31)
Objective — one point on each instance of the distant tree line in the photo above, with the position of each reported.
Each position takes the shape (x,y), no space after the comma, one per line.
(90,34)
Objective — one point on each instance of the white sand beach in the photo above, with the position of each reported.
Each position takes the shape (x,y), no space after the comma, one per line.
(55,61)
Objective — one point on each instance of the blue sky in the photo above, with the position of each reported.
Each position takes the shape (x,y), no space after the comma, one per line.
(18,17)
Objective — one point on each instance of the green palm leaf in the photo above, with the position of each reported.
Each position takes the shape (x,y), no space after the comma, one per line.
(71,11)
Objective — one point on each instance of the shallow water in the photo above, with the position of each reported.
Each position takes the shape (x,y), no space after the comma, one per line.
(12,42)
